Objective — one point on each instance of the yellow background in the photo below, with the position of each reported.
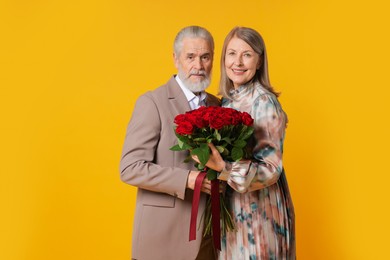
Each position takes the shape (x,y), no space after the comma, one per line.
(70,72)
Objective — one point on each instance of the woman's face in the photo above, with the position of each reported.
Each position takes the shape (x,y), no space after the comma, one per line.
(241,62)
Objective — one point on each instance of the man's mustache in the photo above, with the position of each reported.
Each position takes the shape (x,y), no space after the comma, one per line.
(197,73)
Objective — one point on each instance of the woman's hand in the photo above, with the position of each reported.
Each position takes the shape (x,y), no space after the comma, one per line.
(215,161)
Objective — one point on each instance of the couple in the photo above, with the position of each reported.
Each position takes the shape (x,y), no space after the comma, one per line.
(258,194)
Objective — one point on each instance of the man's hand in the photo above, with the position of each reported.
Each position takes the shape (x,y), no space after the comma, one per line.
(206,184)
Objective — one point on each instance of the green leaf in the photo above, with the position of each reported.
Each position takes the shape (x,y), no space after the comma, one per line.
(182,138)
(225,152)
(180,142)
(217,135)
(239,144)
(227,139)
(187,146)
(211,174)
(176,148)
(220,148)
(247,133)
(200,166)
(241,130)
(183,145)
(203,153)
(200,139)
(237,153)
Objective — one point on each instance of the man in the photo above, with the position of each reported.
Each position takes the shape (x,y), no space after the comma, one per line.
(165,183)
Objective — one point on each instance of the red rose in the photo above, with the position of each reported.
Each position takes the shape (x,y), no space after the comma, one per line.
(235,116)
(207,113)
(236,119)
(196,118)
(216,122)
(191,117)
(201,109)
(199,122)
(179,119)
(225,115)
(246,119)
(184,128)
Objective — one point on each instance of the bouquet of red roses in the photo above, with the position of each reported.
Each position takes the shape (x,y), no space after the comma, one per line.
(229,130)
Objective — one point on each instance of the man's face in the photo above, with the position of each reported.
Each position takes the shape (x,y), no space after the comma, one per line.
(194,63)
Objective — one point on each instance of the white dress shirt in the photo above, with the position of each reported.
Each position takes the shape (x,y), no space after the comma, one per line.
(195,101)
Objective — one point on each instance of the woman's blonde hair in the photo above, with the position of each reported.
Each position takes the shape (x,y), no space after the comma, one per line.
(254,39)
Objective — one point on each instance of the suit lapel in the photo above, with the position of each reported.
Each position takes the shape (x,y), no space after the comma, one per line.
(176,97)
(179,102)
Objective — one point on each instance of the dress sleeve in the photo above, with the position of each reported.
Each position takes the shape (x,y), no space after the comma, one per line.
(266,166)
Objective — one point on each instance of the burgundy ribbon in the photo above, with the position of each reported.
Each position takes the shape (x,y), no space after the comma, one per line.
(215,213)
(215,209)
(195,204)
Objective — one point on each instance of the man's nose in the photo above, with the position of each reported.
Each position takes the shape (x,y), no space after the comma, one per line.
(198,63)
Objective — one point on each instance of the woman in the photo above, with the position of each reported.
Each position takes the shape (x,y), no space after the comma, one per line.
(258,193)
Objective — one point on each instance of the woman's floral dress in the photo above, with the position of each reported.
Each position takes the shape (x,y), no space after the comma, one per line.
(258,194)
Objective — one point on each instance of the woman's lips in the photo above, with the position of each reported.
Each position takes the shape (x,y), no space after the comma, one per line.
(239,71)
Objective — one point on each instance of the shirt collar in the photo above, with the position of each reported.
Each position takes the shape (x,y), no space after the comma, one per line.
(188,93)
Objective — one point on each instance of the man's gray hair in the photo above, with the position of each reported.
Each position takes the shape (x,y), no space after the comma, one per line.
(192,32)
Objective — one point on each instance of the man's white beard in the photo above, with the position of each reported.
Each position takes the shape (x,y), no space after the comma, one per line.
(194,86)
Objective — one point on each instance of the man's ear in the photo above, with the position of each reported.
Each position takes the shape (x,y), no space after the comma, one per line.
(175,60)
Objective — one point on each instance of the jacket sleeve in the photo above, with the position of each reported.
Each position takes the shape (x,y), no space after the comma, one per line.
(266,166)
(138,165)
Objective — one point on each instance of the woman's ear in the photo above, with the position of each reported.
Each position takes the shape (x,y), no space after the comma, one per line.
(259,63)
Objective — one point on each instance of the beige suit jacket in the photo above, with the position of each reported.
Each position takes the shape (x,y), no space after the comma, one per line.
(163,205)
